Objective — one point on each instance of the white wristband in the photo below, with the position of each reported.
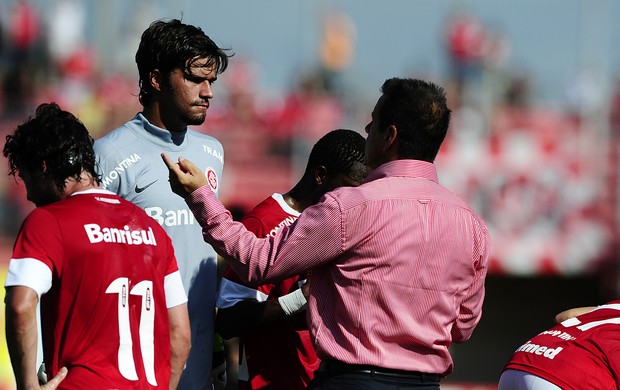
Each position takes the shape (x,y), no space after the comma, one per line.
(293,303)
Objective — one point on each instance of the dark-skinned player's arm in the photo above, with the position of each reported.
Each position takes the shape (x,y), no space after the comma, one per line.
(247,315)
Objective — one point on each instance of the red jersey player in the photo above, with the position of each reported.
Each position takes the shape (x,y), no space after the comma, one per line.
(113,307)
(275,347)
(582,352)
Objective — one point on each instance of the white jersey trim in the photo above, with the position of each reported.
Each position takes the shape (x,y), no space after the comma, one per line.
(288,209)
(94,191)
(31,273)
(232,293)
(175,293)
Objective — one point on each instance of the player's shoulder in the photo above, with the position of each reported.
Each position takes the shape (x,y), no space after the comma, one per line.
(40,214)
(267,203)
(117,138)
(194,134)
(269,209)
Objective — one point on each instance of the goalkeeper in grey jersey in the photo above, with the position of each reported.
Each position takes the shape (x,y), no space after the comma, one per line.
(178,65)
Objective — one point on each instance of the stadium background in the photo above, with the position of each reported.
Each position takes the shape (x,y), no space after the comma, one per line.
(534,85)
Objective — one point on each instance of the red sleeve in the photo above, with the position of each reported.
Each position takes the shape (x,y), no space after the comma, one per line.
(173,266)
(255,225)
(40,238)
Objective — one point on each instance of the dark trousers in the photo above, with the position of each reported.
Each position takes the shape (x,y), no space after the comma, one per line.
(333,375)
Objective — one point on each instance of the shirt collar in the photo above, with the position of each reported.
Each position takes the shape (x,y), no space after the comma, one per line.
(404,168)
(175,137)
(97,190)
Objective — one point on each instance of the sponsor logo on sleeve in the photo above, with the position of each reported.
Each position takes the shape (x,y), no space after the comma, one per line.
(118,170)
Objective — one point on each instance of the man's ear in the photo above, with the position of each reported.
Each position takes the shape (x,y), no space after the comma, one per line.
(320,173)
(390,139)
(155,79)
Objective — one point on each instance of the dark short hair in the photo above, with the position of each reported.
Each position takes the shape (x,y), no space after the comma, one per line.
(420,113)
(53,143)
(338,151)
(170,45)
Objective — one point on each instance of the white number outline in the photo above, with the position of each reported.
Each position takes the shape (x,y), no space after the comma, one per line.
(589,325)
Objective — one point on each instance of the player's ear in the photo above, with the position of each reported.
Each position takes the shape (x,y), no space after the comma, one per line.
(155,79)
(320,175)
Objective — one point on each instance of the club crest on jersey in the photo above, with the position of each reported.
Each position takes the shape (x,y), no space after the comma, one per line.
(211,178)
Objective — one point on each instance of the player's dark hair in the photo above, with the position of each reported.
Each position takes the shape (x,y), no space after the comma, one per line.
(420,113)
(52,143)
(170,45)
(337,151)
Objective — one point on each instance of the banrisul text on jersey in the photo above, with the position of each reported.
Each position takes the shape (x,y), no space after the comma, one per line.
(125,235)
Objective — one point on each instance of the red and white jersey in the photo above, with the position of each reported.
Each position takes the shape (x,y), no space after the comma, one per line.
(580,353)
(281,355)
(106,274)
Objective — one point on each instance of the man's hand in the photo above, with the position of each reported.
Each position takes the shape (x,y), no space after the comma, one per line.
(185,177)
(305,288)
(55,381)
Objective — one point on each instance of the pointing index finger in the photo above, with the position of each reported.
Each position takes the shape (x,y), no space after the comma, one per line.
(169,162)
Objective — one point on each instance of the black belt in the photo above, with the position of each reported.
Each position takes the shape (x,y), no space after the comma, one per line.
(336,367)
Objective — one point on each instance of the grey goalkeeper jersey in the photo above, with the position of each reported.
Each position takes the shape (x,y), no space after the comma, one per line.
(130,163)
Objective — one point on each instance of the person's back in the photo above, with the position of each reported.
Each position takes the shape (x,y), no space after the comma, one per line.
(400,219)
(582,352)
(105,316)
(113,307)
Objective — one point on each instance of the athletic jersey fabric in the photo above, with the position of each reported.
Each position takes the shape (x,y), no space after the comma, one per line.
(280,355)
(106,274)
(398,266)
(131,165)
(580,353)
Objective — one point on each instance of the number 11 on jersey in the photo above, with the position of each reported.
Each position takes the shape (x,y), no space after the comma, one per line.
(126,362)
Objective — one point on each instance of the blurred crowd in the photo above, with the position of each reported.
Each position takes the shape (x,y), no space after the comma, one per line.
(544,176)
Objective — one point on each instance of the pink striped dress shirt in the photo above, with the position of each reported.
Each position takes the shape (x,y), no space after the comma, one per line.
(398,266)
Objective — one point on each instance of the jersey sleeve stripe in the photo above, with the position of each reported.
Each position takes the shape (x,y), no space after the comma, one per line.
(231,293)
(31,273)
(175,293)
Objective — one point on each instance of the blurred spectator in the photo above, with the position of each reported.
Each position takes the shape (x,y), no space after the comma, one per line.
(26,59)
(465,39)
(25,30)
(67,30)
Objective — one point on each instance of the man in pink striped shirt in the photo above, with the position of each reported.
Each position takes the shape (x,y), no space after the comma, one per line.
(398,263)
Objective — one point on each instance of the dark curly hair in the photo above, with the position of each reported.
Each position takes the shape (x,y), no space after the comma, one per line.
(337,151)
(54,144)
(419,111)
(170,45)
